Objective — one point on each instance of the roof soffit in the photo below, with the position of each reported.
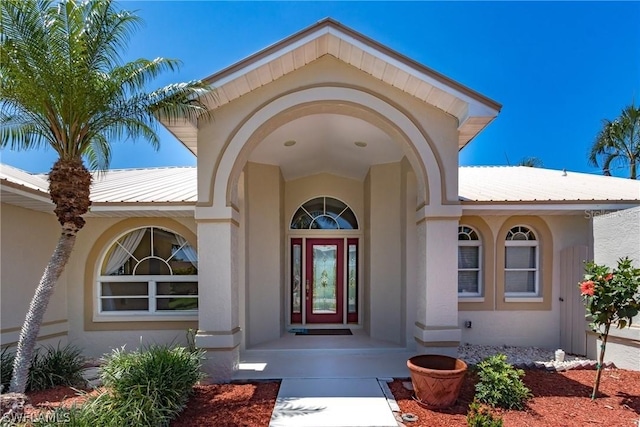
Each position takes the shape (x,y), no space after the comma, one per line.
(328,37)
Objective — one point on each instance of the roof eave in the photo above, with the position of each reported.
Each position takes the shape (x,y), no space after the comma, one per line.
(479,113)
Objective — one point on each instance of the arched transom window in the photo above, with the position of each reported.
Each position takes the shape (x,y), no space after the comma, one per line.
(469,262)
(521,262)
(149,270)
(324,213)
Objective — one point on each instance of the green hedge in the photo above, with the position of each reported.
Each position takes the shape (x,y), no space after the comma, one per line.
(50,367)
(147,387)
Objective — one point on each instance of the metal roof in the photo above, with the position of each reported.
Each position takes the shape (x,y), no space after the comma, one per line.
(154,185)
(149,185)
(528,184)
(147,189)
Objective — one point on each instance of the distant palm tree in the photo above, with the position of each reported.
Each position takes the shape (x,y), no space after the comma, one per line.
(532,162)
(63,85)
(618,143)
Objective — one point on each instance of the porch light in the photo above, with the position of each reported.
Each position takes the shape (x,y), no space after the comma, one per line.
(360,144)
(289,143)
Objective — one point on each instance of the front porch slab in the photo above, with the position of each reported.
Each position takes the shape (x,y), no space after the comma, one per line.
(331,402)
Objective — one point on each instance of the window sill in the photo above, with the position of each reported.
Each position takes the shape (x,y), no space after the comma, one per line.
(470,299)
(145,318)
(523,299)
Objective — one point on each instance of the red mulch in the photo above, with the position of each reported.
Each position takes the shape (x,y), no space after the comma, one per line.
(230,405)
(560,399)
(60,395)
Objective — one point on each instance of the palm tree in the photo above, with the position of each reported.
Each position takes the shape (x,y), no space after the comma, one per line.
(63,85)
(532,162)
(618,143)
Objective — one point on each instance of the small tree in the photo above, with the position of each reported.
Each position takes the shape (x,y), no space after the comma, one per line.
(618,143)
(610,297)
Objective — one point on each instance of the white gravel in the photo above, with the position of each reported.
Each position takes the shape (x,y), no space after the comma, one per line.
(526,357)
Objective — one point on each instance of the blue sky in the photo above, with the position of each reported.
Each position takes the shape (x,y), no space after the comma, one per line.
(558,69)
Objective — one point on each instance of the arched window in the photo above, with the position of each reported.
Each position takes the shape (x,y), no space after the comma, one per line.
(521,263)
(149,270)
(469,262)
(324,213)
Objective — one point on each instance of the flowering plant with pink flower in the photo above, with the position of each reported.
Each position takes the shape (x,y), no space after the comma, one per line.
(611,297)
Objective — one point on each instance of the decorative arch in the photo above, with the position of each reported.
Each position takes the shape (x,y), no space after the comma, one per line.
(544,239)
(94,263)
(416,144)
(488,262)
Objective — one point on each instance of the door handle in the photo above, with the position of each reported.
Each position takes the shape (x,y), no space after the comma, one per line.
(307,289)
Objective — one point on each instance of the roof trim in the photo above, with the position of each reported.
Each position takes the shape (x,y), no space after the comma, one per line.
(328,23)
(20,188)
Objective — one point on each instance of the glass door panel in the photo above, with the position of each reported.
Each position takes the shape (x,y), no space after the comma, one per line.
(324,280)
(352,281)
(296,281)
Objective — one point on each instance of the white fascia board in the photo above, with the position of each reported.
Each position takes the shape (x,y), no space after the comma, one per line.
(476,107)
(33,194)
(146,207)
(275,55)
(593,208)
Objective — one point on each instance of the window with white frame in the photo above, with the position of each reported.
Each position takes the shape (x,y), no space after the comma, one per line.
(469,262)
(149,271)
(521,263)
(324,213)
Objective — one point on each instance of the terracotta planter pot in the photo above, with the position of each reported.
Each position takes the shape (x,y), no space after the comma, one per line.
(436,379)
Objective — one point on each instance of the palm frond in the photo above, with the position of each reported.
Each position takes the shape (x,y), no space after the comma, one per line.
(618,142)
(61,71)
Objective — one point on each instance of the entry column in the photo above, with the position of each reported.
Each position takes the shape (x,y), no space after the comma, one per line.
(436,329)
(219,328)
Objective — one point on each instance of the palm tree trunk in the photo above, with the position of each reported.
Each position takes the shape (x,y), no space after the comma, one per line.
(632,170)
(38,306)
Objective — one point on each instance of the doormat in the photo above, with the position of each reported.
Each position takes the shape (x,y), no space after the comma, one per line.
(323,332)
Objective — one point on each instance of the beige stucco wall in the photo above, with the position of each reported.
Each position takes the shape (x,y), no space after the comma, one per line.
(541,328)
(28,240)
(386,265)
(385,215)
(617,235)
(264,298)
(97,338)
(440,128)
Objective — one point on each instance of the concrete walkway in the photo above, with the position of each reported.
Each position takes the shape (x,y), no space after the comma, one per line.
(334,402)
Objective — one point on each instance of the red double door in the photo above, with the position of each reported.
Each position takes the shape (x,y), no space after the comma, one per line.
(328,275)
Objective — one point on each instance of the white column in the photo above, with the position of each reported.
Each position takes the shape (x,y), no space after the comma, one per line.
(219,330)
(436,328)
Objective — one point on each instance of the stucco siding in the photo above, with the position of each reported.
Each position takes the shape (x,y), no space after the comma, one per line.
(540,328)
(440,128)
(107,336)
(386,262)
(28,240)
(264,261)
(617,235)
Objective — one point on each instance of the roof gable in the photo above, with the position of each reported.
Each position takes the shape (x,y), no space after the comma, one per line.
(473,110)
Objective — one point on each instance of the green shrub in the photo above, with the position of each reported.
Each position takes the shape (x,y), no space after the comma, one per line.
(53,366)
(501,384)
(6,368)
(481,416)
(147,387)
(50,367)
